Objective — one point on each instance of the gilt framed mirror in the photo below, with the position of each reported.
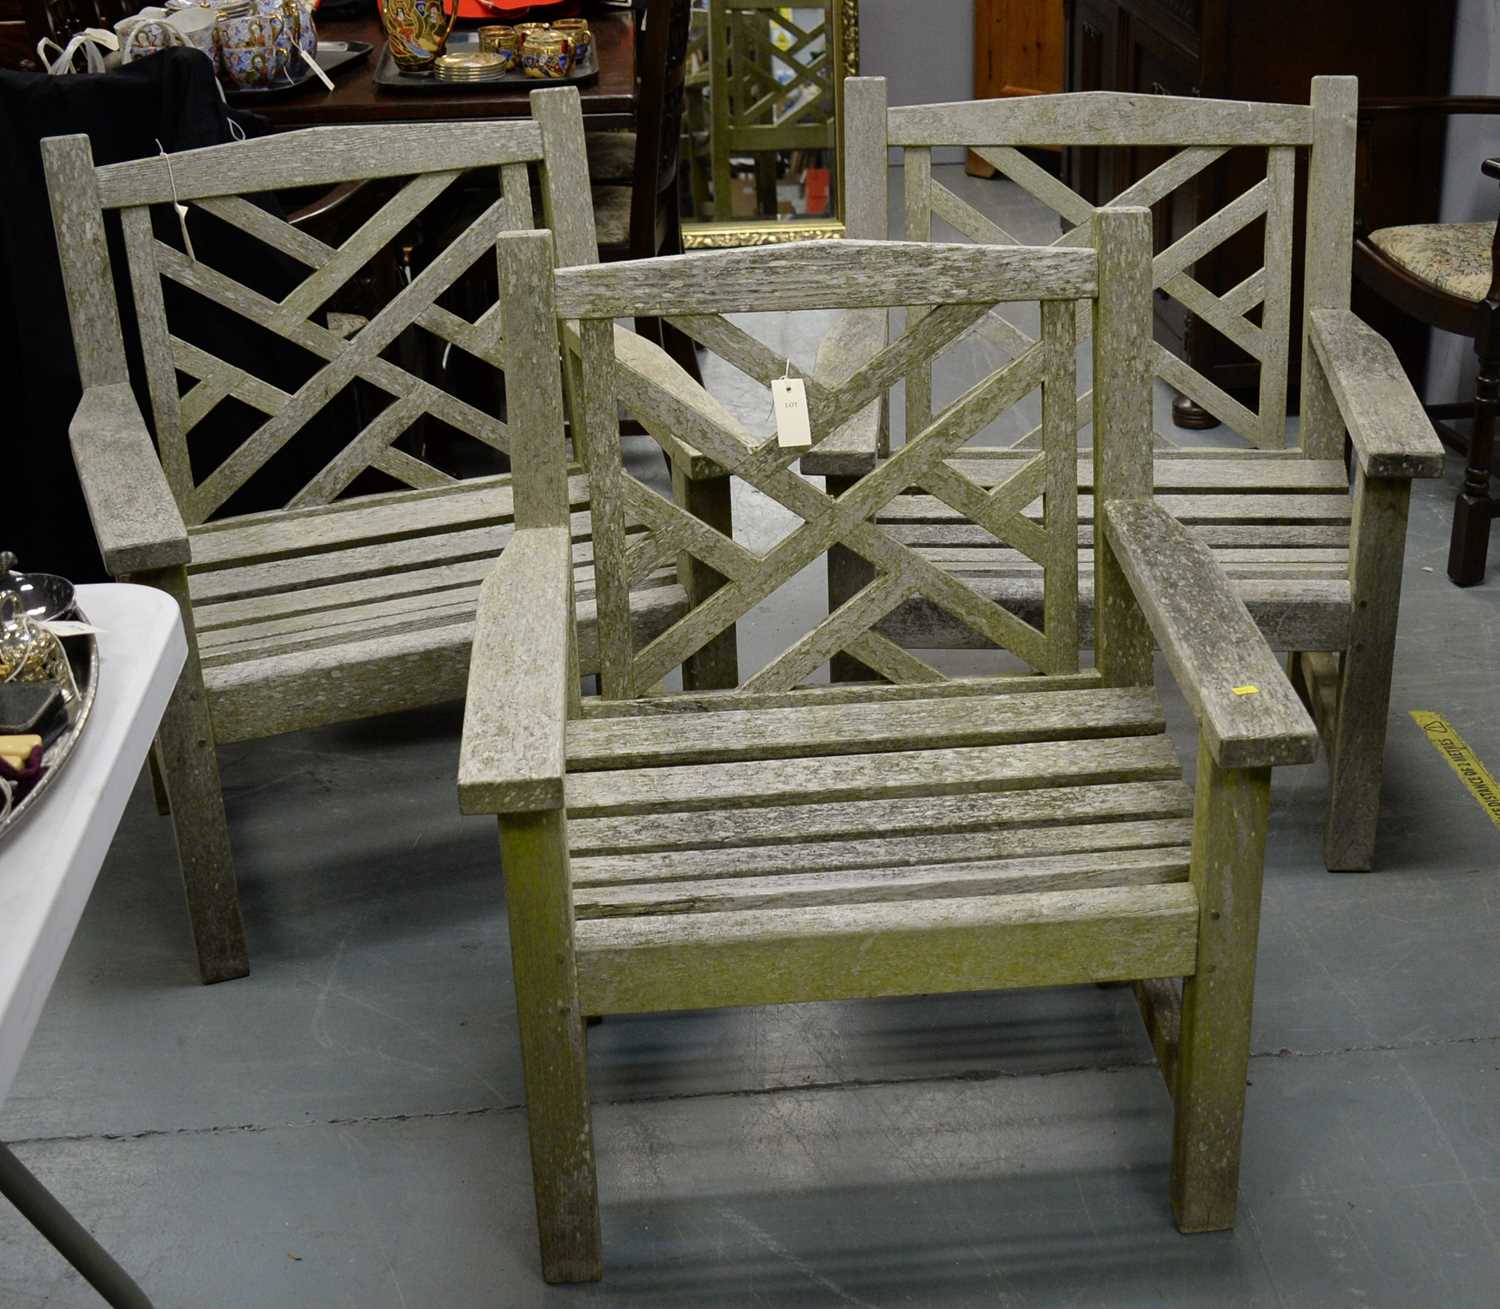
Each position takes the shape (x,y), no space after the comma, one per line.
(761,123)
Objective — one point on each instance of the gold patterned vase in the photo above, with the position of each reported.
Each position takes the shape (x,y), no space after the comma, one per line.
(416,31)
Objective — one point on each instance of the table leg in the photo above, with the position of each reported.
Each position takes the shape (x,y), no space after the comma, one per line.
(43,1211)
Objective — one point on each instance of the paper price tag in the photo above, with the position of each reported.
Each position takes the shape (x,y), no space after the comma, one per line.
(789,400)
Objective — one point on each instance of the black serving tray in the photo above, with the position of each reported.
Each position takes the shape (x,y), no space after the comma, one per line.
(330,55)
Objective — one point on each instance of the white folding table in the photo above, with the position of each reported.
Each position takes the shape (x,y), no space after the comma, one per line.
(49,863)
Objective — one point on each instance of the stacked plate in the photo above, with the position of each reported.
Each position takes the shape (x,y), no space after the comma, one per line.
(469,66)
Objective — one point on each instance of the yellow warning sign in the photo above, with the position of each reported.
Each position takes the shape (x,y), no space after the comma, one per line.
(1471,772)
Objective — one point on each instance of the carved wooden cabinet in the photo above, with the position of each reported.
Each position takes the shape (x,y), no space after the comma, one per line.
(1267,51)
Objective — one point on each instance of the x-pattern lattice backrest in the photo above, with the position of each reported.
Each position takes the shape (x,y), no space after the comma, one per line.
(219,181)
(1198,131)
(696,291)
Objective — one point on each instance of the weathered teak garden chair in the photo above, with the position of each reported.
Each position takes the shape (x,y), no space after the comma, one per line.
(780,843)
(332,608)
(1319,569)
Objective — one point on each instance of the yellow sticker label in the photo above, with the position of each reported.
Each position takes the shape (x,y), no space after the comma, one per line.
(1471,772)
(1247,689)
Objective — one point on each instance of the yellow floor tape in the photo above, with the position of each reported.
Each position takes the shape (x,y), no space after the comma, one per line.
(1471,772)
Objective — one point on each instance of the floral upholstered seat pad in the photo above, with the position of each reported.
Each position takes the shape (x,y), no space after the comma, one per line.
(1454,257)
(612,215)
(611,156)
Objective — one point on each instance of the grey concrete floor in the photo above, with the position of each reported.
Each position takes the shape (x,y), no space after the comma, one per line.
(347,1126)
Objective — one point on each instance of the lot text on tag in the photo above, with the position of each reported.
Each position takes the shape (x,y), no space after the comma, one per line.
(789,399)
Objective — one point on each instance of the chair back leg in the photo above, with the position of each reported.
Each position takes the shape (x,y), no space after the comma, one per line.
(1476,507)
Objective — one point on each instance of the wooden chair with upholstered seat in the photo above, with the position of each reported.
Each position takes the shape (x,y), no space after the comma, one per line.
(1446,275)
(357,598)
(1318,566)
(782,842)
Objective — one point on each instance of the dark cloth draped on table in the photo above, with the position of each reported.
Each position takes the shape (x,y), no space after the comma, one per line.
(171,98)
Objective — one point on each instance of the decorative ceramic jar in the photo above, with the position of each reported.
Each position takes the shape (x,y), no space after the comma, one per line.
(546,54)
(501,40)
(416,32)
(577,31)
(258,42)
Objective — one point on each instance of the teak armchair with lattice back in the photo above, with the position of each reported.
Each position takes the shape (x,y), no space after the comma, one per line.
(783,842)
(353,600)
(1319,568)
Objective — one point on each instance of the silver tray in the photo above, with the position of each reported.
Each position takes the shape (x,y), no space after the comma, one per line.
(83,655)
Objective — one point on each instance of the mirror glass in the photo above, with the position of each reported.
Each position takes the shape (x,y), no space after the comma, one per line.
(761,121)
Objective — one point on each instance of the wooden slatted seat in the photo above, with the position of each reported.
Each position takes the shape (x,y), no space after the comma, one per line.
(1278,527)
(351,600)
(1316,559)
(379,592)
(783,842)
(976,796)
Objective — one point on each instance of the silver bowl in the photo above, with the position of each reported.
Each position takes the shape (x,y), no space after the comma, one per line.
(44,595)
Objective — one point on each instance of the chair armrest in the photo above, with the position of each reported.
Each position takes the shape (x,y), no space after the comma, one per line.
(136,521)
(511,758)
(1247,712)
(1392,434)
(856,337)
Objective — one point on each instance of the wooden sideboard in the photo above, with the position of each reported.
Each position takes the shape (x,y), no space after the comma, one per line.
(1269,51)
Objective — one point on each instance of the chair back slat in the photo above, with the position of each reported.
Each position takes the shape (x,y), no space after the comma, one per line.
(1112,118)
(1329,261)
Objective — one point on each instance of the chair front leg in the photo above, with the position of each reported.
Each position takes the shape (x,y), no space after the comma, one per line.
(1229,838)
(534,856)
(1356,743)
(189,766)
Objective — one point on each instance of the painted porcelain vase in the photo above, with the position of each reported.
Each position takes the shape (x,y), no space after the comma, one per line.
(416,31)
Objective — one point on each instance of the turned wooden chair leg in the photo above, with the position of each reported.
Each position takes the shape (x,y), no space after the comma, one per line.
(1475,508)
(534,856)
(190,773)
(1229,837)
(1356,743)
